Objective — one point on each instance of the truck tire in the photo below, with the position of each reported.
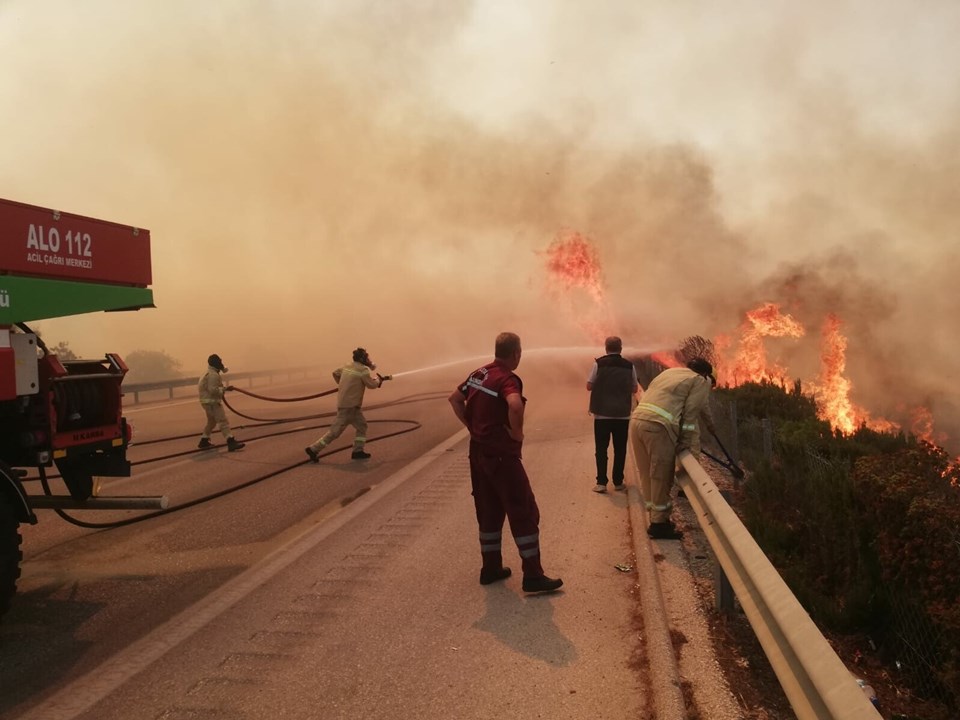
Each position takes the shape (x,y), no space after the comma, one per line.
(10,553)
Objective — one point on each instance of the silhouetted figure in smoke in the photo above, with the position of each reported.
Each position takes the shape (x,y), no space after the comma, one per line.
(612,385)
(352,381)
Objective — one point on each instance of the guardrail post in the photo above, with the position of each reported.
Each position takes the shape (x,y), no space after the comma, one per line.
(723,590)
(815,680)
(734,434)
(767,430)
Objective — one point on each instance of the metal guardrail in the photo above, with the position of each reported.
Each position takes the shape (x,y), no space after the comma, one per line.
(815,680)
(169,386)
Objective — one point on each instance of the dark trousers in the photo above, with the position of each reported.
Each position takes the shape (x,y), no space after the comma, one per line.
(603,430)
(501,489)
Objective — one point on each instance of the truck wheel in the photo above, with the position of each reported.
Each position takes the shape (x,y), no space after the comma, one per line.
(10,554)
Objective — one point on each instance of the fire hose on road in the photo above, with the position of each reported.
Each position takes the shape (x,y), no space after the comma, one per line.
(59,508)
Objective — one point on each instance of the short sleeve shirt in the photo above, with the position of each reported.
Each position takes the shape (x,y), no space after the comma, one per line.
(486,391)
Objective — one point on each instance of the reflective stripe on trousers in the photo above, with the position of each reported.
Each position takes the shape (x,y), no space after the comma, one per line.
(490,541)
(501,490)
(345,416)
(528,545)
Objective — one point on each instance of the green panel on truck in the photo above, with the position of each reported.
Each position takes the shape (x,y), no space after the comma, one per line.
(23,299)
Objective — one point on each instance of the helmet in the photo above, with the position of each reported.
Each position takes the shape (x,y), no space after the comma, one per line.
(701,367)
(215,362)
(360,355)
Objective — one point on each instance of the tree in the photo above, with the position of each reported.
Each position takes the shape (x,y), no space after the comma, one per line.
(696,346)
(152,366)
(62,350)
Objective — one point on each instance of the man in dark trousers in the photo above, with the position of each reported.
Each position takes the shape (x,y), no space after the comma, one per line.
(490,404)
(613,386)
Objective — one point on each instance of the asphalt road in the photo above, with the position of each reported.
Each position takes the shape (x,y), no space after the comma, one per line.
(86,593)
(348,588)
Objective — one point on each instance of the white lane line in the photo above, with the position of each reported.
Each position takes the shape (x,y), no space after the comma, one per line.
(85,692)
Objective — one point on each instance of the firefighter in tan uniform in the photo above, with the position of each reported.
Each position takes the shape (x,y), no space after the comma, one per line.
(705,422)
(352,381)
(664,423)
(211,389)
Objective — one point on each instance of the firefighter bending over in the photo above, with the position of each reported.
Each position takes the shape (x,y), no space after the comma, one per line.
(211,391)
(352,381)
(664,423)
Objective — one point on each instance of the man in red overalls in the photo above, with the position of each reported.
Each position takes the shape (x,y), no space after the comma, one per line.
(490,403)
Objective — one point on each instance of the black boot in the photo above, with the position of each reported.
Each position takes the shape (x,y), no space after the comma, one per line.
(233,444)
(314,457)
(204,444)
(541,584)
(359,454)
(492,575)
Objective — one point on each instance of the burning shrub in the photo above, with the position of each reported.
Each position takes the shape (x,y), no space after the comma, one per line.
(771,400)
(864,527)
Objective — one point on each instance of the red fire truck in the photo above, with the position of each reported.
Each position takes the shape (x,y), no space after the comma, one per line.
(62,414)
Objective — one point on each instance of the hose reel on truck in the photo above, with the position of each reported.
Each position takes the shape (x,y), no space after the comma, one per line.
(66,414)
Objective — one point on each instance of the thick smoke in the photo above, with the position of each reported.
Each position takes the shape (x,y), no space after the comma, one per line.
(318,176)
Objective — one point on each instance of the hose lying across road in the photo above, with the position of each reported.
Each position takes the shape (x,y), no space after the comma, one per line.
(260,423)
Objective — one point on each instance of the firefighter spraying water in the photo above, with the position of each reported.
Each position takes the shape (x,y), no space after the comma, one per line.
(352,381)
(61,413)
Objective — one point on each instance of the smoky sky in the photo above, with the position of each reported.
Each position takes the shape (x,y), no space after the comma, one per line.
(318,176)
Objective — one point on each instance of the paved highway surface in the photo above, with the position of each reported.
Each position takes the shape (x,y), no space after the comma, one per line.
(344,589)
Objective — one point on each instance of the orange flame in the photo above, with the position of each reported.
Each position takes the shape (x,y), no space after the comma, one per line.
(722,368)
(573,264)
(667,359)
(833,387)
(750,362)
(921,425)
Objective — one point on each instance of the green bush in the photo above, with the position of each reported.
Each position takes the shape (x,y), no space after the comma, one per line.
(911,501)
(770,400)
(863,527)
